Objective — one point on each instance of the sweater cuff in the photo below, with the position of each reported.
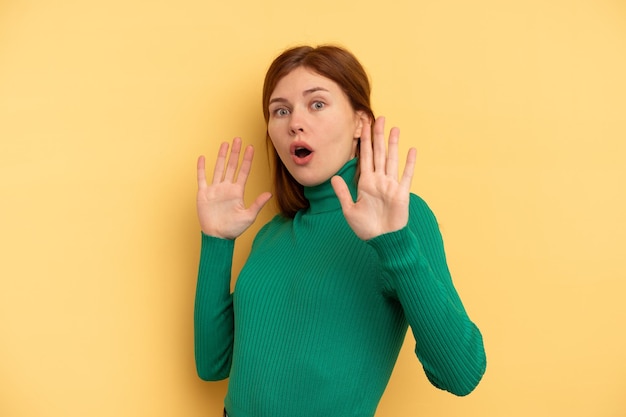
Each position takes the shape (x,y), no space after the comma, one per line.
(216,243)
(397,249)
(216,257)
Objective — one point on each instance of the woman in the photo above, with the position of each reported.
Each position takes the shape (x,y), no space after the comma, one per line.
(321,307)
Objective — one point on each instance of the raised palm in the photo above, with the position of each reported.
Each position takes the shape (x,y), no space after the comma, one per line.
(221,208)
(382,204)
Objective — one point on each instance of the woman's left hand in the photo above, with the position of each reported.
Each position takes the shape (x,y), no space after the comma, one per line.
(382,204)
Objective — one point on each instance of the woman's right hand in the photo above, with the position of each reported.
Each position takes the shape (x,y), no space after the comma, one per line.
(221,209)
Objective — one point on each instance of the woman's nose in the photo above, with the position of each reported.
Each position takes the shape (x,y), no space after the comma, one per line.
(296,124)
(295,130)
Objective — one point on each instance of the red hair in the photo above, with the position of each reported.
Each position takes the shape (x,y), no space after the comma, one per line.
(334,63)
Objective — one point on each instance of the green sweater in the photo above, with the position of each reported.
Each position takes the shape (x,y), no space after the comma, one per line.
(318,316)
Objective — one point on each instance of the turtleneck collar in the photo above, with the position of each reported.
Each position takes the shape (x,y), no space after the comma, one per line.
(322,197)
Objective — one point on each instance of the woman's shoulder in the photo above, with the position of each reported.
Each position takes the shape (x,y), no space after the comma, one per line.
(420,212)
(416,202)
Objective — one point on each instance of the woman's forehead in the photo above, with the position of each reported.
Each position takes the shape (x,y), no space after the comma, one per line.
(302,81)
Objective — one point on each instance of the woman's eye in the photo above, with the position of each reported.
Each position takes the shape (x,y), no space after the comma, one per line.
(281,112)
(318,105)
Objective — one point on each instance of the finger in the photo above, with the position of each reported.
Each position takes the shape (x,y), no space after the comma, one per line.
(365,163)
(409,168)
(379,145)
(201,172)
(259,203)
(342,191)
(246,165)
(392,153)
(233,160)
(218,171)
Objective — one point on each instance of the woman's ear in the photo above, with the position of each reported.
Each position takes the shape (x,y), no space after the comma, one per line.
(361,120)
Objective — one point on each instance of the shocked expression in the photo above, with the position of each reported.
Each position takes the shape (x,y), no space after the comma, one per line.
(312,125)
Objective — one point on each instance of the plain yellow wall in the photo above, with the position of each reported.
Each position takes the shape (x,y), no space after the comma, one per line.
(518,111)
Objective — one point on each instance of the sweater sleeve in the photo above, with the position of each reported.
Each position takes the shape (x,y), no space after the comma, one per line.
(448,344)
(213,310)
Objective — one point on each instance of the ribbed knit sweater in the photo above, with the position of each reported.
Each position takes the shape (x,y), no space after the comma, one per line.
(318,316)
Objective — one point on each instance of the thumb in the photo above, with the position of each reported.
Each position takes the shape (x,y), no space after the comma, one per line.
(343,193)
(259,203)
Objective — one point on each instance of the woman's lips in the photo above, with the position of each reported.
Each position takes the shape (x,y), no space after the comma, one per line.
(301,153)
(302,158)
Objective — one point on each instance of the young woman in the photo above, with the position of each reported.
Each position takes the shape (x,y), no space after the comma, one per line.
(322,305)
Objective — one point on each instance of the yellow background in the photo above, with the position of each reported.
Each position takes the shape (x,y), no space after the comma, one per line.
(518,112)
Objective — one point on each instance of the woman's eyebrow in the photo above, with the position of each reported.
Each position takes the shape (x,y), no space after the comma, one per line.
(304,93)
(278,100)
(313,90)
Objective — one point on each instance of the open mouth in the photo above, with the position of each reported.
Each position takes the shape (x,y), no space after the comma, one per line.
(301,152)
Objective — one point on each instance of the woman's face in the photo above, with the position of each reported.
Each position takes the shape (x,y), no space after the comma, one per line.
(312,125)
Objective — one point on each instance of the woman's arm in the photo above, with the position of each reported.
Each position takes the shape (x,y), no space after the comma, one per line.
(223,217)
(213,310)
(448,343)
(404,232)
